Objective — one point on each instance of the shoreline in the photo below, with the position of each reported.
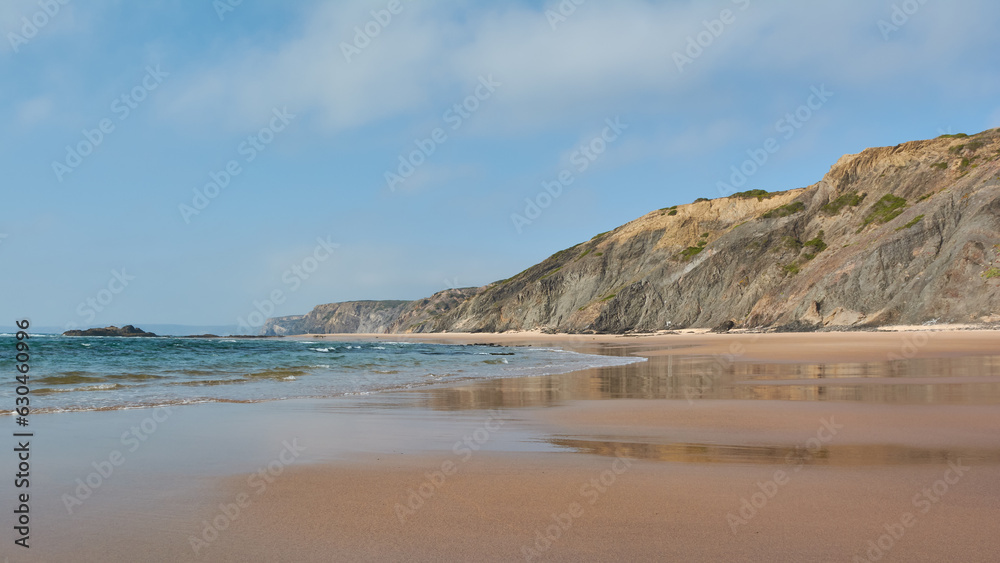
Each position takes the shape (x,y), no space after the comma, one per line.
(912,342)
(899,343)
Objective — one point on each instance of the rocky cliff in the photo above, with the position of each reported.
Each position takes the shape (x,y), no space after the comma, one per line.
(369,316)
(904,234)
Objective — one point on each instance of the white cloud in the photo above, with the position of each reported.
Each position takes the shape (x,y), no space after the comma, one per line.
(605,59)
(425,59)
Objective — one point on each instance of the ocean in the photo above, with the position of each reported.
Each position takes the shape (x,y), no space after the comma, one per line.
(99,373)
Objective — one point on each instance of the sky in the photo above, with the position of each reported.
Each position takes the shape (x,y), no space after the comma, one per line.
(215,162)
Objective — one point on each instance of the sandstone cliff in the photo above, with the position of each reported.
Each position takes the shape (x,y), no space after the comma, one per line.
(904,234)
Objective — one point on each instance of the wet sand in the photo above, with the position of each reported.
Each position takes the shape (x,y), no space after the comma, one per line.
(791,447)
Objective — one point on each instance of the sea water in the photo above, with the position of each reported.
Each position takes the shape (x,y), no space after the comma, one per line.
(101,373)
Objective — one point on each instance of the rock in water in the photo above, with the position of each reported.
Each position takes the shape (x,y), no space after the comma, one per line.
(127,330)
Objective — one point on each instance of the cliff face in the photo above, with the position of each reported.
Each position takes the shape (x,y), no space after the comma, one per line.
(369,316)
(903,234)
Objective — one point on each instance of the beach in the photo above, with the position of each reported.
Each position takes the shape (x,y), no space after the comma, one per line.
(854,446)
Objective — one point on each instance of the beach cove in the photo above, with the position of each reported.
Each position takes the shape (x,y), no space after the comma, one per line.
(855,446)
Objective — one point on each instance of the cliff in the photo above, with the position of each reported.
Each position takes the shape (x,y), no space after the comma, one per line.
(369,316)
(905,234)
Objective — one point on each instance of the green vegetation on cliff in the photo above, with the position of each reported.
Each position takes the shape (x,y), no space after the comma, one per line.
(852,199)
(691,251)
(761,195)
(785,210)
(912,223)
(884,210)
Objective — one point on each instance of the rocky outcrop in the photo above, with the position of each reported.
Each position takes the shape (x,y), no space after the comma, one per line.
(905,234)
(348,317)
(127,330)
(371,316)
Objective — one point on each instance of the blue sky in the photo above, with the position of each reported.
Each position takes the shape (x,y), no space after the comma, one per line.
(102,238)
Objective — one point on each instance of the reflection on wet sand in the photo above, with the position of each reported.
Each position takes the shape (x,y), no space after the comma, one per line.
(933,383)
(845,455)
(957,380)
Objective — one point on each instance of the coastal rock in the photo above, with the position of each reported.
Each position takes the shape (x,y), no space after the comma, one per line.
(892,235)
(724,327)
(127,330)
(843,317)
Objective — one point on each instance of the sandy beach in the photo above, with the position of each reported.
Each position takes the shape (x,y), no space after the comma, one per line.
(741,447)
(562,280)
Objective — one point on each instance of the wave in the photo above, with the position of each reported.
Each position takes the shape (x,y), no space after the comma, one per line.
(209,382)
(277,373)
(136,377)
(70,378)
(88,388)
(31,335)
(195,371)
(84,377)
